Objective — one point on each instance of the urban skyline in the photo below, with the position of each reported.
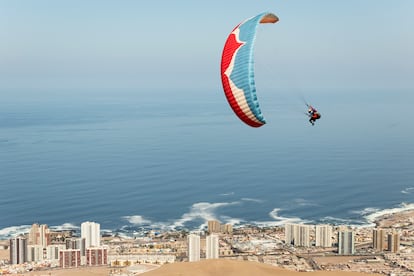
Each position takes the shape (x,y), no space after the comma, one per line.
(71,251)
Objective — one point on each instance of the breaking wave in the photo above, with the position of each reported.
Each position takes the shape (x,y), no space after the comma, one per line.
(200,213)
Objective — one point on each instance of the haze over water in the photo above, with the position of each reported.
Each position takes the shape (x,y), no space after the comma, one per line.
(130,159)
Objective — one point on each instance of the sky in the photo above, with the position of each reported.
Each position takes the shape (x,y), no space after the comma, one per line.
(49,45)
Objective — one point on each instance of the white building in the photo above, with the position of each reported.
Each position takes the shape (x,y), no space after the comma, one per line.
(346,243)
(297,234)
(212,247)
(35,253)
(193,248)
(52,251)
(18,250)
(289,233)
(323,235)
(91,232)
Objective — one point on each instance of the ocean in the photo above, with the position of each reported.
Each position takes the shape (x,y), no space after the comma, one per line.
(175,159)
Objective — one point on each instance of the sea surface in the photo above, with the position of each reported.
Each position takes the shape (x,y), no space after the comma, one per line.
(133,160)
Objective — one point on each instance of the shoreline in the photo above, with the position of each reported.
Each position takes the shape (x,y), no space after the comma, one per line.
(369,215)
(396,218)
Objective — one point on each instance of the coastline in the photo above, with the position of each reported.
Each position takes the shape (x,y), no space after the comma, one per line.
(368,218)
(395,219)
(390,218)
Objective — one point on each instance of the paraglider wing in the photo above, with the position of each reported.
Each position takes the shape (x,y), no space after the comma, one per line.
(237,74)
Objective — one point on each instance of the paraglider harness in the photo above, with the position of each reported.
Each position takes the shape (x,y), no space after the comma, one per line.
(313,115)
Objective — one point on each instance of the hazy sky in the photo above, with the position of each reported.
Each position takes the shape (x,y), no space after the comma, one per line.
(97,44)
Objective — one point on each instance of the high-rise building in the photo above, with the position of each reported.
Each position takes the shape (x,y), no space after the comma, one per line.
(212,246)
(289,233)
(214,226)
(90,231)
(76,243)
(18,250)
(378,240)
(346,243)
(39,235)
(297,234)
(303,236)
(227,228)
(193,248)
(323,235)
(394,242)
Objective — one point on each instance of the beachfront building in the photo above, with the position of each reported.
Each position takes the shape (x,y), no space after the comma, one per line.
(297,234)
(39,235)
(90,231)
(212,246)
(346,242)
(69,258)
(35,253)
(394,242)
(227,228)
(323,235)
(18,250)
(96,256)
(303,237)
(52,251)
(214,226)
(193,248)
(289,233)
(378,240)
(76,243)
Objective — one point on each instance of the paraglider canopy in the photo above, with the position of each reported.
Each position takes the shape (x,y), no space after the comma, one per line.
(237,72)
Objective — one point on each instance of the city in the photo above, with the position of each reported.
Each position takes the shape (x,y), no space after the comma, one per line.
(386,248)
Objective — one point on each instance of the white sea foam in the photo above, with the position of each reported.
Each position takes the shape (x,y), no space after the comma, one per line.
(200,212)
(65,226)
(401,208)
(408,190)
(365,211)
(137,220)
(233,221)
(279,220)
(335,220)
(14,231)
(370,215)
(204,211)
